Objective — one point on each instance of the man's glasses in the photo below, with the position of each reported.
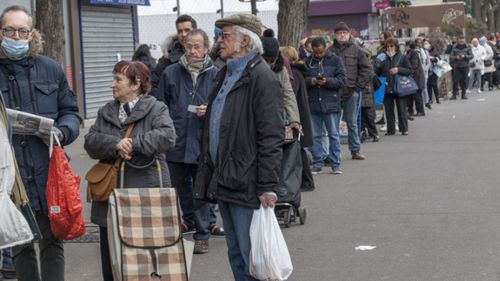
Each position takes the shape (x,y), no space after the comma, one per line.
(11,32)
(196,47)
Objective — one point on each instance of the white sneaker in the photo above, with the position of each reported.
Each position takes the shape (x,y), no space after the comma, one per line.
(383,128)
(479,91)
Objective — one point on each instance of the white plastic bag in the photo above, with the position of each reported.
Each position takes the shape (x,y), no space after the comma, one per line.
(269,256)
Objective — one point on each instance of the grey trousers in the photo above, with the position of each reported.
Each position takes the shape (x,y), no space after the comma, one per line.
(51,256)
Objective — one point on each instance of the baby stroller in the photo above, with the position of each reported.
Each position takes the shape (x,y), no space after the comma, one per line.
(288,208)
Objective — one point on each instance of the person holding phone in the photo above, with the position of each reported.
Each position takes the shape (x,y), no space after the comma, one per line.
(325,77)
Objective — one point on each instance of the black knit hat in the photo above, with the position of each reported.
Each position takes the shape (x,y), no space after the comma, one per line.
(271,47)
(341,26)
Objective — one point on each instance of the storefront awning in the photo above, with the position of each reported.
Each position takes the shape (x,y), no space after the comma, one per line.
(121,2)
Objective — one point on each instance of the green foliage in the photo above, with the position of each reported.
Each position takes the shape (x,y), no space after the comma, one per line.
(475,29)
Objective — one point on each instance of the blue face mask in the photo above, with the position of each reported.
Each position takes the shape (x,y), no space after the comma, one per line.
(15,49)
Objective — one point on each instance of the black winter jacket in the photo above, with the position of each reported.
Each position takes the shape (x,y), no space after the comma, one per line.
(325,99)
(416,68)
(299,71)
(250,143)
(39,86)
(456,60)
(383,67)
(359,70)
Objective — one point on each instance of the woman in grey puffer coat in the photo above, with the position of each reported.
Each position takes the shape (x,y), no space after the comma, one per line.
(153,134)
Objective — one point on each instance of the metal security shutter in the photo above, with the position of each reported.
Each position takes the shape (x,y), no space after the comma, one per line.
(107,36)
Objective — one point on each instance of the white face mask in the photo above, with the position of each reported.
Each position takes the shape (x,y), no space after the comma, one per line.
(427,46)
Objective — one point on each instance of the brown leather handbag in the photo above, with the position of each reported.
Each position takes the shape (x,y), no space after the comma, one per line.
(102,177)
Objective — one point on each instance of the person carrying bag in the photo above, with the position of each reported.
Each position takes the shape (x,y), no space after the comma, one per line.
(102,177)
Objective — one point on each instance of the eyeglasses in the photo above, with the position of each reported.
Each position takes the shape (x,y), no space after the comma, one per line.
(11,32)
(196,47)
(390,46)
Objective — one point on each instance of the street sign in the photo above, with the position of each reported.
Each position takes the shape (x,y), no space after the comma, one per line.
(380,5)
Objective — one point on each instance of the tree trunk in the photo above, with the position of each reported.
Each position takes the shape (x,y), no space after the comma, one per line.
(49,21)
(497,17)
(292,21)
(491,16)
(476,9)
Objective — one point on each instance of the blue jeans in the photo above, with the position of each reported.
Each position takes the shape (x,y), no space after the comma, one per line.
(237,220)
(475,75)
(351,112)
(7,263)
(331,122)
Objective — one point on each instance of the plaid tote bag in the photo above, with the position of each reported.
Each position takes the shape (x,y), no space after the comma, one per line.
(144,235)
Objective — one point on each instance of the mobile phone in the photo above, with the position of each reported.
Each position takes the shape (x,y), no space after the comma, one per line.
(319,77)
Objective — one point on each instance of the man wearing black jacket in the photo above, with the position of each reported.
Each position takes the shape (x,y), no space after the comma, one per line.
(460,56)
(242,138)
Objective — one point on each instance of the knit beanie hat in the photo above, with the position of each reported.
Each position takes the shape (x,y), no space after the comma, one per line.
(271,47)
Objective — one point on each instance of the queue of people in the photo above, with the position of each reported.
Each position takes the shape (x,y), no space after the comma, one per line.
(215,117)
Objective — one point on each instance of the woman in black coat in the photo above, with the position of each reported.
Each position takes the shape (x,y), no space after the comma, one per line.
(419,76)
(299,71)
(389,64)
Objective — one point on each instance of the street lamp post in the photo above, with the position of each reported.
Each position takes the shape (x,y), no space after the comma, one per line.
(254,6)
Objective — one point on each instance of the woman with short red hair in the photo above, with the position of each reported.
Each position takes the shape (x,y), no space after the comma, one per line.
(152,135)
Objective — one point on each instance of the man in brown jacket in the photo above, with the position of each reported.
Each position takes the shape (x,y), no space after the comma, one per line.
(359,72)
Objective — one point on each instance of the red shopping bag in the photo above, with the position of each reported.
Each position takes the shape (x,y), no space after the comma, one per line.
(63,198)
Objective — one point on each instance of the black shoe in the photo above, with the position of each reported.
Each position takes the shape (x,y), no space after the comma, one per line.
(420,114)
(376,138)
(464,97)
(389,134)
(381,121)
(410,118)
(8,274)
(454,97)
(306,188)
(438,102)
(405,133)
(217,231)
(428,105)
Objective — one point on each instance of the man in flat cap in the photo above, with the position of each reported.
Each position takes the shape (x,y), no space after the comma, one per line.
(242,137)
(359,72)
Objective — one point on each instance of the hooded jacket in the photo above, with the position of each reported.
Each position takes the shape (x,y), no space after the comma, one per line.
(172,52)
(152,136)
(38,85)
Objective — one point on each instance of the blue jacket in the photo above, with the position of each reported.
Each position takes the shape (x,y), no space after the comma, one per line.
(38,85)
(325,99)
(176,90)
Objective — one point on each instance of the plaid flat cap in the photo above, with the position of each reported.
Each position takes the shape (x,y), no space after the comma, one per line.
(248,21)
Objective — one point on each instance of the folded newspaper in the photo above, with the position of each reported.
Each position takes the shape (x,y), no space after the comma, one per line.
(24,123)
